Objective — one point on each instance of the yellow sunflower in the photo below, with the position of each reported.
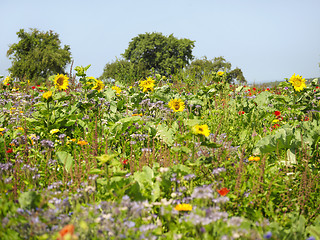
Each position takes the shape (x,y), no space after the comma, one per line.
(147,85)
(176,105)
(98,85)
(61,82)
(47,95)
(201,129)
(117,89)
(220,73)
(298,82)
(183,207)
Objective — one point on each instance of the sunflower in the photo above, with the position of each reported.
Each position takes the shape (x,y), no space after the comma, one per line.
(298,82)
(61,82)
(147,85)
(220,73)
(176,105)
(98,85)
(117,89)
(47,95)
(201,129)
(183,207)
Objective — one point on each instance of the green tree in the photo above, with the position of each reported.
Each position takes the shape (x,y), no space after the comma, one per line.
(124,71)
(165,55)
(202,69)
(37,55)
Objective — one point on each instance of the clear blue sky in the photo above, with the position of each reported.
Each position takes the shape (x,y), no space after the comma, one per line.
(268,39)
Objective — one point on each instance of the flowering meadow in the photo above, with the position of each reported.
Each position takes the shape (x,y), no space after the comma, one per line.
(164,158)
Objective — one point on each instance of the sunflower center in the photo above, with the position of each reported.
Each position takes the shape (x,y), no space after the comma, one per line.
(298,83)
(200,129)
(60,81)
(176,105)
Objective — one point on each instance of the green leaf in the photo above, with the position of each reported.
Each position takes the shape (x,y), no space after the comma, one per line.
(106,158)
(66,159)
(165,133)
(29,200)
(103,181)
(210,144)
(96,171)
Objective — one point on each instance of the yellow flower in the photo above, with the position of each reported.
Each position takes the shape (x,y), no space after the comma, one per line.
(31,137)
(147,85)
(53,131)
(6,80)
(61,82)
(2,129)
(183,207)
(254,158)
(117,89)
(47,95)
(20,128)
(176,105)
(201,129)
(12,110)
(98,85)
(82,143)
(220,73)
(298,82)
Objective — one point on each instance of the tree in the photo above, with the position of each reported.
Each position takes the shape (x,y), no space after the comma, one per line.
(37,55)
(236,75)
(124,71)
(203,68)
(165,55)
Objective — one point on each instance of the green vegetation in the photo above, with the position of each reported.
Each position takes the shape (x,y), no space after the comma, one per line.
(37,55)
(190,156)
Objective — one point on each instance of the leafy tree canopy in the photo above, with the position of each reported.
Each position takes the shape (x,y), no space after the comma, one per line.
(124,71)
(37,55)
(200,68)
(166,55)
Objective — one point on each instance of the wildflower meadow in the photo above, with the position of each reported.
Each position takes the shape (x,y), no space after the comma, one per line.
(162,158)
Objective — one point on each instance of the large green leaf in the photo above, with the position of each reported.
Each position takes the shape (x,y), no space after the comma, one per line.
(66,159)
(166,134)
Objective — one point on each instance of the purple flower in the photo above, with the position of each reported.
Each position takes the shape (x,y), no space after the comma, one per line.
(268,235)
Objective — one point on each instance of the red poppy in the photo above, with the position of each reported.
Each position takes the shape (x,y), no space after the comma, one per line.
(38,85)
(223,191)
(125,161)
(277,113)
(249,90)
(241,112)
(275,126)
(268,89)
(254,89)
(10,150)
(33,87)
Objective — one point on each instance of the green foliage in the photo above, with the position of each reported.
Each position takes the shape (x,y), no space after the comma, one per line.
(29,200)
(124,71)
(204,70)
(37,55)
(165,55)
